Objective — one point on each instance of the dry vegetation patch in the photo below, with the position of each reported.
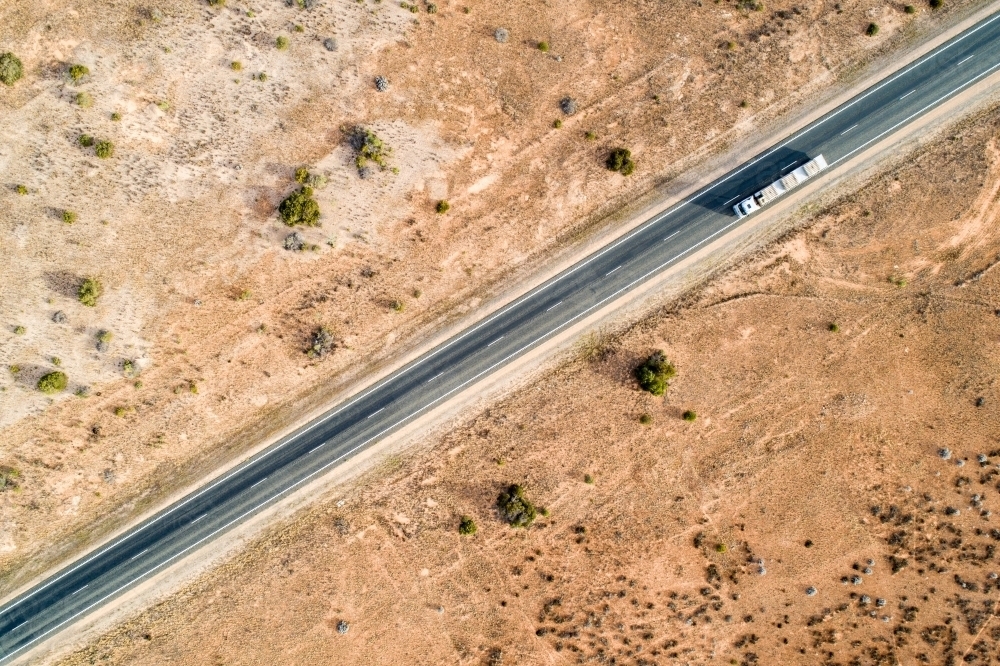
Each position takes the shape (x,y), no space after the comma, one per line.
(831,504)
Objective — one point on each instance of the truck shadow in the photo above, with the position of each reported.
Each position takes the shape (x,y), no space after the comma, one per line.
(751,179)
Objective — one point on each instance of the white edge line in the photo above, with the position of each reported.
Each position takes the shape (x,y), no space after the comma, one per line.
(920,61)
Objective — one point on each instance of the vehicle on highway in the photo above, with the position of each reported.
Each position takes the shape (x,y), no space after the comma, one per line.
(780,186)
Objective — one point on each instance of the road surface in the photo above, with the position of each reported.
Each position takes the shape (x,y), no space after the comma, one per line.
(664,240)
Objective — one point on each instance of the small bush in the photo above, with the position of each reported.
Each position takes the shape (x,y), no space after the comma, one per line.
(872,29)
(104,149)
(8,478)
(128,368)
(77,72)
(501,35)
(834,328)
(301,175)
(910,9)
(52,382)
(369,148)
(105,336)
(588,479)
(557,123)
(689,415)
(590,136)
(86,140)
(281,43)
(15,370)
(116,116)
(721,548)
(68,216)
(543,47)
(11,69)
(120,411)
(645,419)
(84,100)
(398,305)
(56,361)
(432,8)
(21,189)
(217,3)
(442,207)
(467,526)
(936,4)
(90,290)
(322,343)
(620,160)
(655,373)
(236,66)
(20,330)
(300,208)
(515,508)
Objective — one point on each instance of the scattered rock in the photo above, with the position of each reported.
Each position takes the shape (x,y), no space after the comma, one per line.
(568,105)
(330,44)
(960,462)
(982,459)
(381,83)
(945,453)
(811,591)
(294,242)
(501,35)
(865,600)
(59,317)
(880,602)
(856,580)
(343,627)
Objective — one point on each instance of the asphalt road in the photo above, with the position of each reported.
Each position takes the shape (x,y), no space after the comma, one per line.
(669,237)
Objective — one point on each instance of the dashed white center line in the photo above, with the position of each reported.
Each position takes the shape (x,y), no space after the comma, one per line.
(198,518)
(259,482)
(787,165)
(317,447)
(611,271)
(967,58)
(374,413)
(908,94)
(19,626)
(81,589)
(680,230)
(138,555)
(434,377)
(495,341)
(848,129)
(551,307)
(725,204)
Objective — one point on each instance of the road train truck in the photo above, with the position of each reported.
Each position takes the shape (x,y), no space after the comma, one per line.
(780,186)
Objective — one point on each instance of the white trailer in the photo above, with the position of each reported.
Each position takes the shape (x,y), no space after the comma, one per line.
(779,187)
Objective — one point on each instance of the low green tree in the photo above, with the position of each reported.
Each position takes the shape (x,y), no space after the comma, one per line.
(620,160)
(300,208)
(467,526)
(53,382)
(11,69)
(90,290)
(515,507)
(655,373)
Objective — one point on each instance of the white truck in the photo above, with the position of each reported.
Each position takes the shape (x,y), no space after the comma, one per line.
(780,186)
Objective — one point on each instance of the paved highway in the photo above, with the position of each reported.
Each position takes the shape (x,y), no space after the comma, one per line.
(667,238)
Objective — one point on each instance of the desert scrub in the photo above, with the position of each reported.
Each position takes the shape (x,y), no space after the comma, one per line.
(588,479)
(322,343)
(11,69)
(20,330)
(467,526)
(302,175)
(85,140)
(21,189)
(515,508)
(77,72)
(236,66)
(397,304)
(53,382)
(834,328)
(115,116)
(68,216)
(84,100)
(543,47)
(217,3)
(442,207)
(689,415)
(369,148)
(8,478)
(620,160)
(557,124)
(872,29)
(655,373)
(281,43)
(90,290)
(104,149)
(300,208)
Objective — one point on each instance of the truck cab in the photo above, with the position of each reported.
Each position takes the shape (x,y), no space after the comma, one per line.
(745,207)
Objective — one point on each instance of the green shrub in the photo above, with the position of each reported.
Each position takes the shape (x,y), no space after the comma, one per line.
(300,208)
(116,116)
(104,336)
(588,479)
(68,216)
(20,330)
(298,28)
(21,189)
(721,548)
(11,69)
(910,9)
(128,368)
(442,207)
(590,136)
(655,373)
(689,415)
(86,140)
(872,29)
(77,72)
(467,526)
(543,47)
(281,43)
(398,305)
(620,160)
(645,419)
(369,148)
(104,149)
(56,361)
(236,66)
(8,478)
(52,382)
(217,3)
(90,290)
(515,507)
(834,328)
(936,4)
(15,370)
(302,175)
(557,123)
(84,100)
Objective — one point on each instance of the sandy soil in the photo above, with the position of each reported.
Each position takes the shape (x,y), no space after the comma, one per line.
(816,461)
(200,296)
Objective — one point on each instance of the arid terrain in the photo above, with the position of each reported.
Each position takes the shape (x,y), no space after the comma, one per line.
(195,348)
(830,502)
